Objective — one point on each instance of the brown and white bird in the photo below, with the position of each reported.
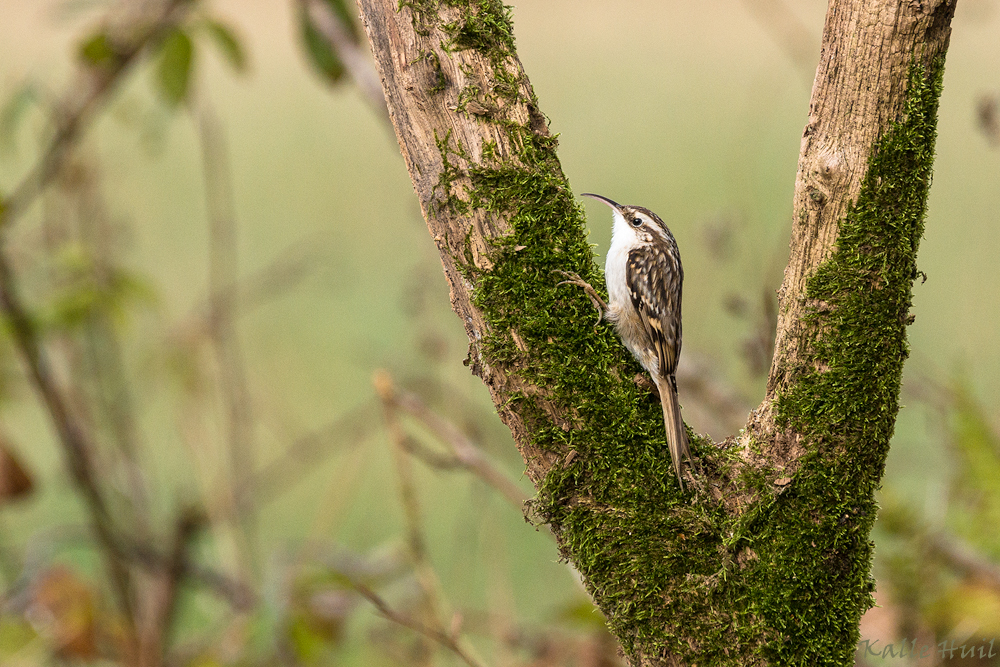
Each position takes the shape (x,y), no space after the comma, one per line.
(644,279)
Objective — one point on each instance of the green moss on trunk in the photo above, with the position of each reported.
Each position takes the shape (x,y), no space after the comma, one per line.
(813,581)
(785,581)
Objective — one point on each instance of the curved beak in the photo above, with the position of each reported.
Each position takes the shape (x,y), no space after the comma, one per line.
(613,204)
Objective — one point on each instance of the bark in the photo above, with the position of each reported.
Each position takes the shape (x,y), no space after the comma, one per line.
(446,116)
(767,559)
(859,91)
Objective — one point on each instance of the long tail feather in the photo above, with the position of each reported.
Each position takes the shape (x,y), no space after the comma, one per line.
(677,439)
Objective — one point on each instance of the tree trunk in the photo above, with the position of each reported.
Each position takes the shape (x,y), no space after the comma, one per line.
(766,560)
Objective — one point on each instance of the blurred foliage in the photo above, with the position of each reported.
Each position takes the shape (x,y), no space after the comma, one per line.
(174,68)
(13,113)
(321,54)
(228,44)
(175,54)
(132,373)
(941,573)
(195,597)
(975,486)
(65,608)
(98,51)
(84,289)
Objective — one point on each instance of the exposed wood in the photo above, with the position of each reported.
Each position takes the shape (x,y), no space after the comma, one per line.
(423,81)
(759,564)
(858,92)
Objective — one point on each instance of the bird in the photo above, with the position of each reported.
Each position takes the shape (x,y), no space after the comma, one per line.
(644,278)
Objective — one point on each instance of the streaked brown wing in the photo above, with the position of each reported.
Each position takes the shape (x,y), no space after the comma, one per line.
(654,283)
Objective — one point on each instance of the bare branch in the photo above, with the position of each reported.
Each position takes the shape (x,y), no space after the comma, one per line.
(415,541)
(153,560)
(223,272)
(156,629)
(402,619)
(92,88)
(75,442)
(465,454)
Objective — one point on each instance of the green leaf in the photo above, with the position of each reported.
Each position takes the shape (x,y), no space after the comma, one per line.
(228,43)
(346,13)
(87,291)
(98,51)
(319,50)
(174,69)
(321,55)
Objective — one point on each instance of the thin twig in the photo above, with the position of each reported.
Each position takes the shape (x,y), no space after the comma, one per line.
(399,618)
(464,453)
(114,392)
(303,455)
(75,442)
(899,520)
(415,541)
(596,646)
(790,33)
(286,271)
(92,86)
(238,594)
(355,60)
(411,505)
(151,559)
(156,630)
(964,558)
(102,365)
(223,272)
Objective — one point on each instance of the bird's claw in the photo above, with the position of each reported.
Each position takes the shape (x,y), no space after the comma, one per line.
(643,381)
(574,279)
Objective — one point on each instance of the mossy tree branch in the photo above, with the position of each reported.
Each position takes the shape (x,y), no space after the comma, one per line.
(767,560)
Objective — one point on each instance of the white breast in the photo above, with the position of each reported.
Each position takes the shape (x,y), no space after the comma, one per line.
(620,308)
(622,241)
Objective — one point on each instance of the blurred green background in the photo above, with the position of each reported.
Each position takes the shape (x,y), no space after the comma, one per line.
(694,110)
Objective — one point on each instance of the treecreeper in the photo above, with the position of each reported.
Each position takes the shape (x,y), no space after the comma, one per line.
(644,278)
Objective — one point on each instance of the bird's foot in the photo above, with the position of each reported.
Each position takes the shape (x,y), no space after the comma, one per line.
(574,279)
(643,381)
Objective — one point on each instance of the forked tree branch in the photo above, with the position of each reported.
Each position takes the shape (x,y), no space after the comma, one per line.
(767,560)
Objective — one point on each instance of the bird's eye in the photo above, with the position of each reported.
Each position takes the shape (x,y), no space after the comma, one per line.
(636,221)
